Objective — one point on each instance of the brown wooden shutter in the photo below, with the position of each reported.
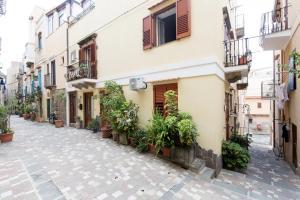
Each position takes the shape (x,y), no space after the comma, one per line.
(93,61)
(81,54)
(159,98)
(147,32)
(183,19)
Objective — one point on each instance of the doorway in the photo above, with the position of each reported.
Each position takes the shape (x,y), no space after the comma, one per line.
(48,108)
(294,135)
(72,99)
(88,97)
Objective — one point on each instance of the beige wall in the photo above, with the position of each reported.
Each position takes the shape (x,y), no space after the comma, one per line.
(202,97)
(292,110)
(120,49)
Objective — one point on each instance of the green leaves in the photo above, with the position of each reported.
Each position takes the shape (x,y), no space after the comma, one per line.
(171,103)
(234,156)
(187,132)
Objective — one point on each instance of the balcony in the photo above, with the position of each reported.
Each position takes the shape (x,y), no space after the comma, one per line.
(275,31)
(49,81)
(237,60)
(82,74)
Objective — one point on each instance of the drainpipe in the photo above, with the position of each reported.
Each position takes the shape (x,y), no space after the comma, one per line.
(67,37)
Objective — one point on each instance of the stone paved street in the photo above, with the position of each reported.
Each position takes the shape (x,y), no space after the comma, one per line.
(48,163)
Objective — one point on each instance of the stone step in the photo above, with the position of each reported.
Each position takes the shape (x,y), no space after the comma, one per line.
(197,165)
(207,173)
(243,185)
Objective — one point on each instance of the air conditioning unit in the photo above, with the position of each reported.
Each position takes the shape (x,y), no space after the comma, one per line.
(137,84)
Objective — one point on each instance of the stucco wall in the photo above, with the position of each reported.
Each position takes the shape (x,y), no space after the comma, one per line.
(292,110)
(202,97)
(119,43)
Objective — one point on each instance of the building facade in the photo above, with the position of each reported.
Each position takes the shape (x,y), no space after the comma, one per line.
(281,33)
(160,45)
(148,47)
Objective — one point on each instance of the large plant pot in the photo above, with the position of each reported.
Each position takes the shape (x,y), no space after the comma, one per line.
(115,136)
(39,119)
(183,156)
(6,137)
(106,132)
(151,148)
(59,123)
(26,116)
(132,141)
(123,138)
(166,152)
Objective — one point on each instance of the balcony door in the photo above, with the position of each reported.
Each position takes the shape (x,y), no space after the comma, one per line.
(53,73)
(87,56)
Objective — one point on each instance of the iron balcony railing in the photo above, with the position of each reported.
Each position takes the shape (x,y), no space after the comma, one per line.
(80,70)
(49,81)
(237,52)
(274,21)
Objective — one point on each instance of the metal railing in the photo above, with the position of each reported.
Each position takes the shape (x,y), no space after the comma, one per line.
(274,21)
(237,52)
(80,70)
(49,81)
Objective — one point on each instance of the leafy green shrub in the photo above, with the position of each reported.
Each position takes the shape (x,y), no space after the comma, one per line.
(171,103)
(94,124)
(187,132)
(126,117)
(243,140)
(142,140)
(234,156)
(184,115)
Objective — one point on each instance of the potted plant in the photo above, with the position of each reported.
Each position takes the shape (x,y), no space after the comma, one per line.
(78,123)
(6,135)
(26,111)
(94,125)
(60,97)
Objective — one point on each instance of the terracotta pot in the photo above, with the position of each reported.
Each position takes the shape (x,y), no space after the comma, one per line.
(115,136)
(59,123)
(106,132)
(132,142)
(26,116)
(243,60)
(151,148)
(166,152)
(6,137)
(40,119)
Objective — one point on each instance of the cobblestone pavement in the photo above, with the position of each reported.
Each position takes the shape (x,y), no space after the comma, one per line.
(55,164)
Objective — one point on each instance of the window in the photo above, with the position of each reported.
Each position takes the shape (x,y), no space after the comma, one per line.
(50,24)
(61,18)
(166,26)
(73,56)
(159,98)
(258,105)
(40,40)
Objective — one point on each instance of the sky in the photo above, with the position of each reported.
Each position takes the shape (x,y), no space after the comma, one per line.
(14,28)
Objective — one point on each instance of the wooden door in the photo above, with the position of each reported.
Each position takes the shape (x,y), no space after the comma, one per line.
(159,99)
(87,108)
(48,108)
(294,135)
(72,101)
